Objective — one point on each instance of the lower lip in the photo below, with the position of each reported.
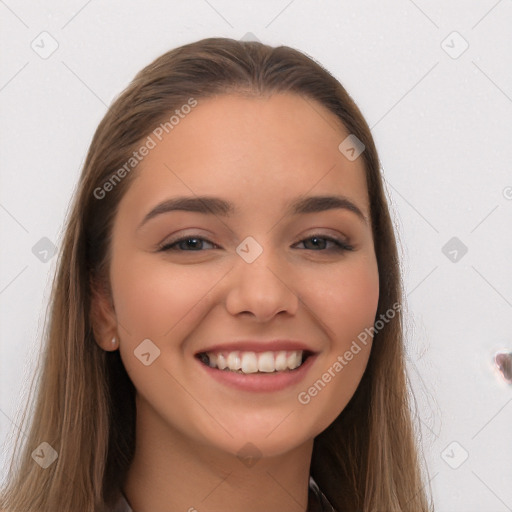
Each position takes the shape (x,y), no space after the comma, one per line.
(260,382)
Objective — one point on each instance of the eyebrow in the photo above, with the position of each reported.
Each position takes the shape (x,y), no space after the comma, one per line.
(210,205)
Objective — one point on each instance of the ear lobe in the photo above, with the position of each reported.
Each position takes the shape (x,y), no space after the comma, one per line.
(102,316)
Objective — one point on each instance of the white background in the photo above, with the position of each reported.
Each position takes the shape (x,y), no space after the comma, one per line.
(442,126)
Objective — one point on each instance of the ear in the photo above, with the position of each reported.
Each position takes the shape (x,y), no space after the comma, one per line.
(102,316)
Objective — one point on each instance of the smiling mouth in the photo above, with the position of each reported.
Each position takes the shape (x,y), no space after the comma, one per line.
(283,361)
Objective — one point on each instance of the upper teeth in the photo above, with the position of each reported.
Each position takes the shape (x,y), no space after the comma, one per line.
(252,362)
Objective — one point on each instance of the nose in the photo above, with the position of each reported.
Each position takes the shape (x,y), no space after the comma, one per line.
(262,288)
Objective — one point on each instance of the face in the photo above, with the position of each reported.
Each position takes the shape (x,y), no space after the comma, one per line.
(186,282)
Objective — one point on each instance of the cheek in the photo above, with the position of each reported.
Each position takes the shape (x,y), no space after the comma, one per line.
(346,308)
(151,297)
(346,299)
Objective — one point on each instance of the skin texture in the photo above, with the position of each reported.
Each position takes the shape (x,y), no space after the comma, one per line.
(259,153)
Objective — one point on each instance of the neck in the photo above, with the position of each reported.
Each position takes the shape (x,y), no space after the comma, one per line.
(173,472)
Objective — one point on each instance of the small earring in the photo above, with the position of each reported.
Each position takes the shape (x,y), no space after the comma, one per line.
(114,341)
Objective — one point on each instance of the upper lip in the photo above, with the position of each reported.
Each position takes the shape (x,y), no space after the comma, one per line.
(258,346)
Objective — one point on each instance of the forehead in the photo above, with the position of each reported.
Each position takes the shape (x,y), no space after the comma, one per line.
(255,149)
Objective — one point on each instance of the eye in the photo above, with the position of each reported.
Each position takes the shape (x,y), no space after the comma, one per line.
(339,245)
(196,244)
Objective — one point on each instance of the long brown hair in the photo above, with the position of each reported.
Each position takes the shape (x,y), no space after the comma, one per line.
(366,460)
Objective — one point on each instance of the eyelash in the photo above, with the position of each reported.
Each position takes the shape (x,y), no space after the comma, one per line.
(340,245)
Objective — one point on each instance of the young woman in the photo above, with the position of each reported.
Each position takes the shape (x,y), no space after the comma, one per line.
(226,324)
